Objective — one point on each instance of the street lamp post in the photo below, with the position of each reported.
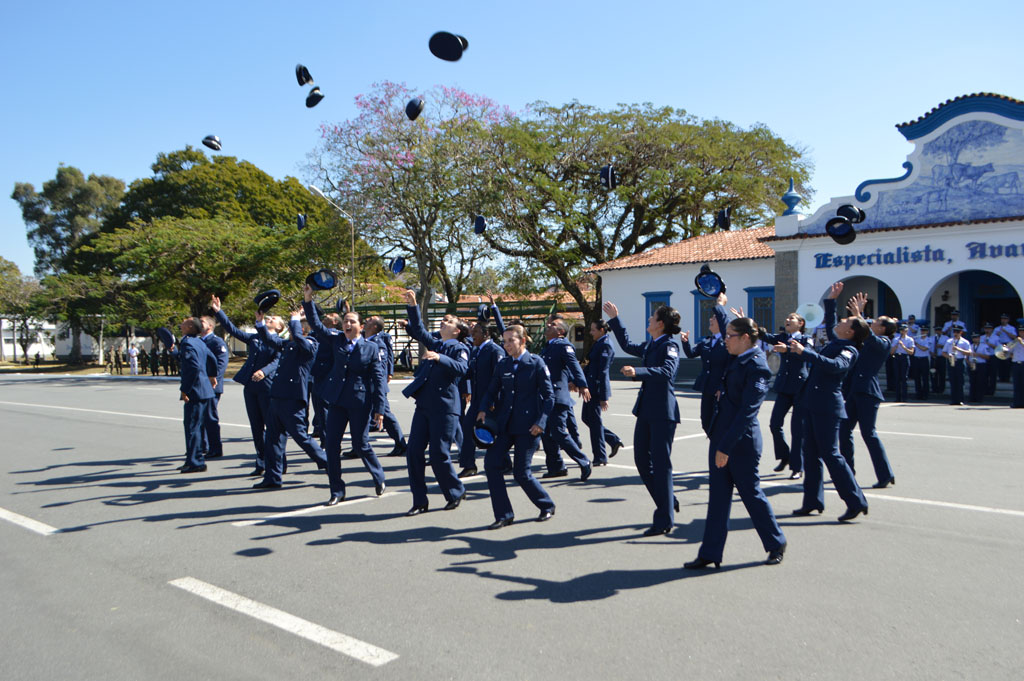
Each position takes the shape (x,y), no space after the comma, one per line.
(352,226)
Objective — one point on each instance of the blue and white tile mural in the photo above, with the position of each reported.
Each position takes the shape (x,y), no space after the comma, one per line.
(970,167)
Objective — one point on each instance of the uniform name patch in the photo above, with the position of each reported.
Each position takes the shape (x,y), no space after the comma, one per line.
(848,354)
(672,352)
(570,349)
(464,355)
(761,385)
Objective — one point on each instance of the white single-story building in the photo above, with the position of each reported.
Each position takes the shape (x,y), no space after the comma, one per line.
(947,234)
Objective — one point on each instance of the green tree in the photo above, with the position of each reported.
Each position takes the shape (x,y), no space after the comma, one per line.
(60,219)
(407,183)
(675,172)
(19,304)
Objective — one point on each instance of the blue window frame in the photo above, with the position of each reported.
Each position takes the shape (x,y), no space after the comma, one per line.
(761,306)
(652,301)
(702,311)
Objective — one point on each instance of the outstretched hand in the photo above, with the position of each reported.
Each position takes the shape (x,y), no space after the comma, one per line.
(409,297)
(307,293)
(835,290)
(610,309)
(215,303)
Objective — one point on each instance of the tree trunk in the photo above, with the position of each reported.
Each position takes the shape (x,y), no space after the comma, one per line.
(76,342)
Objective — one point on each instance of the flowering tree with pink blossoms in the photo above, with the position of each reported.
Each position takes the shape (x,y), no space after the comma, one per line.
(411,185)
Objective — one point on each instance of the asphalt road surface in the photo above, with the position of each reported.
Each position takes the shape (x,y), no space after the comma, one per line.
(115,566)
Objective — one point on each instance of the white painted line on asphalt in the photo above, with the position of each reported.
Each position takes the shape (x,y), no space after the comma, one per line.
(910,500)
(631,416)
(27,523)
(944,437)
(346,645)
(111,413)
(308,509)
(684,437)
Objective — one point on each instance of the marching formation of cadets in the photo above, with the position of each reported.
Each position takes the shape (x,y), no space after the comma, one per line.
(483,378)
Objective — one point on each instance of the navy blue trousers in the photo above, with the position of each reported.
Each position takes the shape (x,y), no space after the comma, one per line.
(901,369)
(652,453)
(194,419)
(590,414)
(979,381)
(708,401)
(956,382)
(921,370)
(467,452)
(740,473)
(821,444)
(863,410)
(940,364)
(211,429)
(288,419)
(1017,369)
(784,452)
(495,461)
(257,408)
(557,437)
(436,433)
(357,420)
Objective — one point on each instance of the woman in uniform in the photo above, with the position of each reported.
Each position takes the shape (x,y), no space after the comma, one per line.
(823,405)
(862,392)
(656,409)
(736,449)
(789,380)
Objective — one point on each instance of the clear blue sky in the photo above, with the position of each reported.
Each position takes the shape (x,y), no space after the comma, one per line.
(106,85)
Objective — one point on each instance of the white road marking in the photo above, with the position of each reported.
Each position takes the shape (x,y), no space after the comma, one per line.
(346,645)
(112,413)
(684,418)
(309,509)
(27,523)
(945,437)
(910,500)
(684,437)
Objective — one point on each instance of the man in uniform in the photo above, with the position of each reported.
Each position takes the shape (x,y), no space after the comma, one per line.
(902,351)
(1017,368)
(483,361)
(599,363)
(1004,334)
(564,367)
(219,349)
(921,364)
(958,348)
(373,331)
(198,379)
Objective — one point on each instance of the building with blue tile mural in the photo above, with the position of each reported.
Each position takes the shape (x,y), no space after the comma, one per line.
(946,233)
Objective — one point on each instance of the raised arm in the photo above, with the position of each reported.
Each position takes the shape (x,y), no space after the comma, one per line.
(320,331)
(415,327)
(223,320)
(619,330)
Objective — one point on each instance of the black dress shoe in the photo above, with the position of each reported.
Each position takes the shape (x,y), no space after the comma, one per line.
(882,484)
(416,510)
(266,484)
(546,515)
(807,511)
(655,531)
(675,504)
(555,474)
(781,466)
(615,449)
(194,469)
(586,473)
(852,513)
(468,472)
(256,471)
(453,504)
(775,557)
(701,563)
(214,456)
(379,489)
(498,524)
(399,450)
(350,454)
(796,475)
(335,500)
(599,463)
(507,470)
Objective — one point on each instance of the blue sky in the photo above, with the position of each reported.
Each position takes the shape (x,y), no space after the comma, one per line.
(107,85)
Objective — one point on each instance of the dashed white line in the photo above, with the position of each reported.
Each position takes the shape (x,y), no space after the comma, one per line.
(684,437)
(111,413)
(346,645)
(27,523)
(944,437)
(307,510)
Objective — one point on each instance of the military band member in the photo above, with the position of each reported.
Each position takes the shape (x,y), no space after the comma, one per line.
(956,352)
(921,362)
(989,345)
(1004,334)
(977,367)
(954,319)
(939,362)
(903,349)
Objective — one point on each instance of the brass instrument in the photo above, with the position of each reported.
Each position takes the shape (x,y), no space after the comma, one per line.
(1003,353)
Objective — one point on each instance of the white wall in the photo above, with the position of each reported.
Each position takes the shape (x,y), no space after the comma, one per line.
(916,284)
(625,288)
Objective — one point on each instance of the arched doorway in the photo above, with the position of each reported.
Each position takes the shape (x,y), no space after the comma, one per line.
(882,299)
(980,295)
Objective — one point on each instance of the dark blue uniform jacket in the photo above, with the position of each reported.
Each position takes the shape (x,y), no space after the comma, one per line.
(657,399)
(521,398)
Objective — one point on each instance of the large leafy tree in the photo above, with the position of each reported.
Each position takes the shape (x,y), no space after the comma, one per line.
(19,302)
(408,183)
(60,219)
(200,226)
(674,171)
